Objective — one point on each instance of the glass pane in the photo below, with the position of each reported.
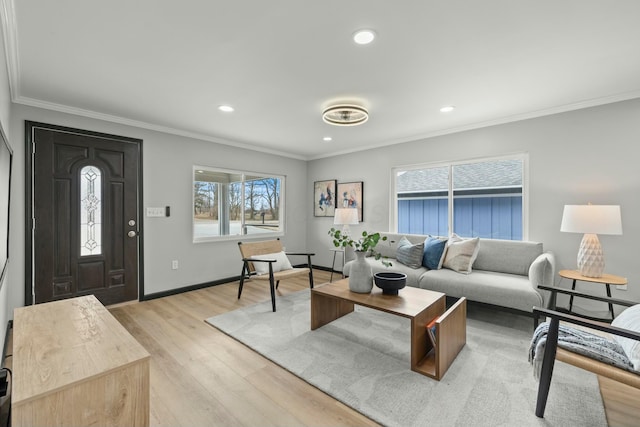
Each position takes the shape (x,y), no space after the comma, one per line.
(234,204)
(422,201)
(235,209)
(205,209)
(487,199)
(262,205)
(90,211)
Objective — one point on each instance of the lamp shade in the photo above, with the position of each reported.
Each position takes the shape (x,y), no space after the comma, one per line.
(346,216)
(591,219)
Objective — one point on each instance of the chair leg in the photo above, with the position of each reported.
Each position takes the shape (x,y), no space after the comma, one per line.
(547,367)
(277,284)
(271,285)
(311,271)
(273,295)
(241,281)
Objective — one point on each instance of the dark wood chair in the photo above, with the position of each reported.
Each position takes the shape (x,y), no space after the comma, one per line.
(251,251)
(620,389)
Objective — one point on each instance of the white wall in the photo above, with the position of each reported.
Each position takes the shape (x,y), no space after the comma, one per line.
(589,155)
(582,156)
(167,174)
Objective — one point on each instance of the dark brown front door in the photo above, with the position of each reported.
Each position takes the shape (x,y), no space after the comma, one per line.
(85,211)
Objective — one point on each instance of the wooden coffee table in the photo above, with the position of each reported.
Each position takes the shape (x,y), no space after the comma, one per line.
(334,300)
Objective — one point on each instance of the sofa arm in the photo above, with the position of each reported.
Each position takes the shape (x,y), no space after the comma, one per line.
(349,254)
(542,273)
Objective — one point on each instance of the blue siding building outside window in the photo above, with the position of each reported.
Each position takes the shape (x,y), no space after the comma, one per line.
(486,217)
(423,216)
(487,197)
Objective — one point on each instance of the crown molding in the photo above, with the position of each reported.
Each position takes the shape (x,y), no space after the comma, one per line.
(150,126)
(625,96)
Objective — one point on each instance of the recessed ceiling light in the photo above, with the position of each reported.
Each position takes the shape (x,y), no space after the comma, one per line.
(447,109)
(327,139)
(364,36)
(226,108)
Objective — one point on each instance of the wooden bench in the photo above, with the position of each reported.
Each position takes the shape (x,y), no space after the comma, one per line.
(620,389)
(74,364)
(251,251)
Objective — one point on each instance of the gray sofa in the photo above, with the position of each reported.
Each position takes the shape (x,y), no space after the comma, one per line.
(506,273)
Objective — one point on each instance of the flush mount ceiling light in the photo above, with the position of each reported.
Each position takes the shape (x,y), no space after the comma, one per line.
(364,36)
(345,115)
(226,108)
(327,139)
(447,109)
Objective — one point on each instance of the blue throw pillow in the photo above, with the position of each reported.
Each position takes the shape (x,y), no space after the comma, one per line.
(433,253)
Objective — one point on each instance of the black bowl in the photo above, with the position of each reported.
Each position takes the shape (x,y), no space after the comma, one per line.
(390,282)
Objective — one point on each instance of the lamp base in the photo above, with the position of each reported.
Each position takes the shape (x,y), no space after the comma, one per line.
(590,256)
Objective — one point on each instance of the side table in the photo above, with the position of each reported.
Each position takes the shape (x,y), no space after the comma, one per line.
(606,279)
(333,264)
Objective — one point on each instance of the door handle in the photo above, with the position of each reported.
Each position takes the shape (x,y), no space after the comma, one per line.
(131,233)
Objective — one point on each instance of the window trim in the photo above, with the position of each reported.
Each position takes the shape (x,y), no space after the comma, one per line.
(240,237)
(523,156)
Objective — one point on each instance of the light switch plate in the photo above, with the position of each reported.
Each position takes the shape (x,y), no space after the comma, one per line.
(155,212)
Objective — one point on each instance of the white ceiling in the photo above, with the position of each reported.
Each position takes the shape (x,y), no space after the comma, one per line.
(168,65)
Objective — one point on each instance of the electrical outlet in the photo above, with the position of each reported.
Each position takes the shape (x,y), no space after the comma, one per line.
(174,264)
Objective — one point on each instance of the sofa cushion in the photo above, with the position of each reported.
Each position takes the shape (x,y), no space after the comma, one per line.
(389,247)
(409,254)
(460,254)
(507,256)
(413,274)
(507,290)
(629,319)
(434,251)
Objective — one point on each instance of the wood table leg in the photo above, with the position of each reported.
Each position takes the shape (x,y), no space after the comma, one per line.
(326,309)
(420,344)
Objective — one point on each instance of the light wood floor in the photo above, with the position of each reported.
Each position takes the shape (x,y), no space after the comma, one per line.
(201,377)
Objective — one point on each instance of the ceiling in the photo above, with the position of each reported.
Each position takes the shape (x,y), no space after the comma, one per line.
(168,65)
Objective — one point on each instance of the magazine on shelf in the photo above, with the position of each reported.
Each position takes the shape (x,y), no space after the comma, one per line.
(431,331)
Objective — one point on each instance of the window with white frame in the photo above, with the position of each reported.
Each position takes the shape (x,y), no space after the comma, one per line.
(475,198)
(235,203)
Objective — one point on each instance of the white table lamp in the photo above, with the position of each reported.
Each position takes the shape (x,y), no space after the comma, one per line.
(346,217)
(591,220)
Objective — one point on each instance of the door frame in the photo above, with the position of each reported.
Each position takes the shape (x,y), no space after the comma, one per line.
(29,192)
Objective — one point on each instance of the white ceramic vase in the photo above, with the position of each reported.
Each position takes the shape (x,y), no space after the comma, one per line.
(360,275)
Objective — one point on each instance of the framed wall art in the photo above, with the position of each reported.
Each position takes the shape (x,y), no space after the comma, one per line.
(324,198)
(350,195)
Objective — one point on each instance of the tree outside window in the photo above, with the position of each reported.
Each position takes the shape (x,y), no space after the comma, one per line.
(230,203)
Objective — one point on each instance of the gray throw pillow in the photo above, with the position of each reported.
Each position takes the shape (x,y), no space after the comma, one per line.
(409,254)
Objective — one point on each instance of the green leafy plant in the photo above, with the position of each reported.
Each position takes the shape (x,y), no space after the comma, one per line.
(365,243)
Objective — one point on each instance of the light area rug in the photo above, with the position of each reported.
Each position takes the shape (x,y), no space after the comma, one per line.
(362,360)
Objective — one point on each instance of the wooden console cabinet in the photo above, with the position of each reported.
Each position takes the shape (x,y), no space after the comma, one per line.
(74,364)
